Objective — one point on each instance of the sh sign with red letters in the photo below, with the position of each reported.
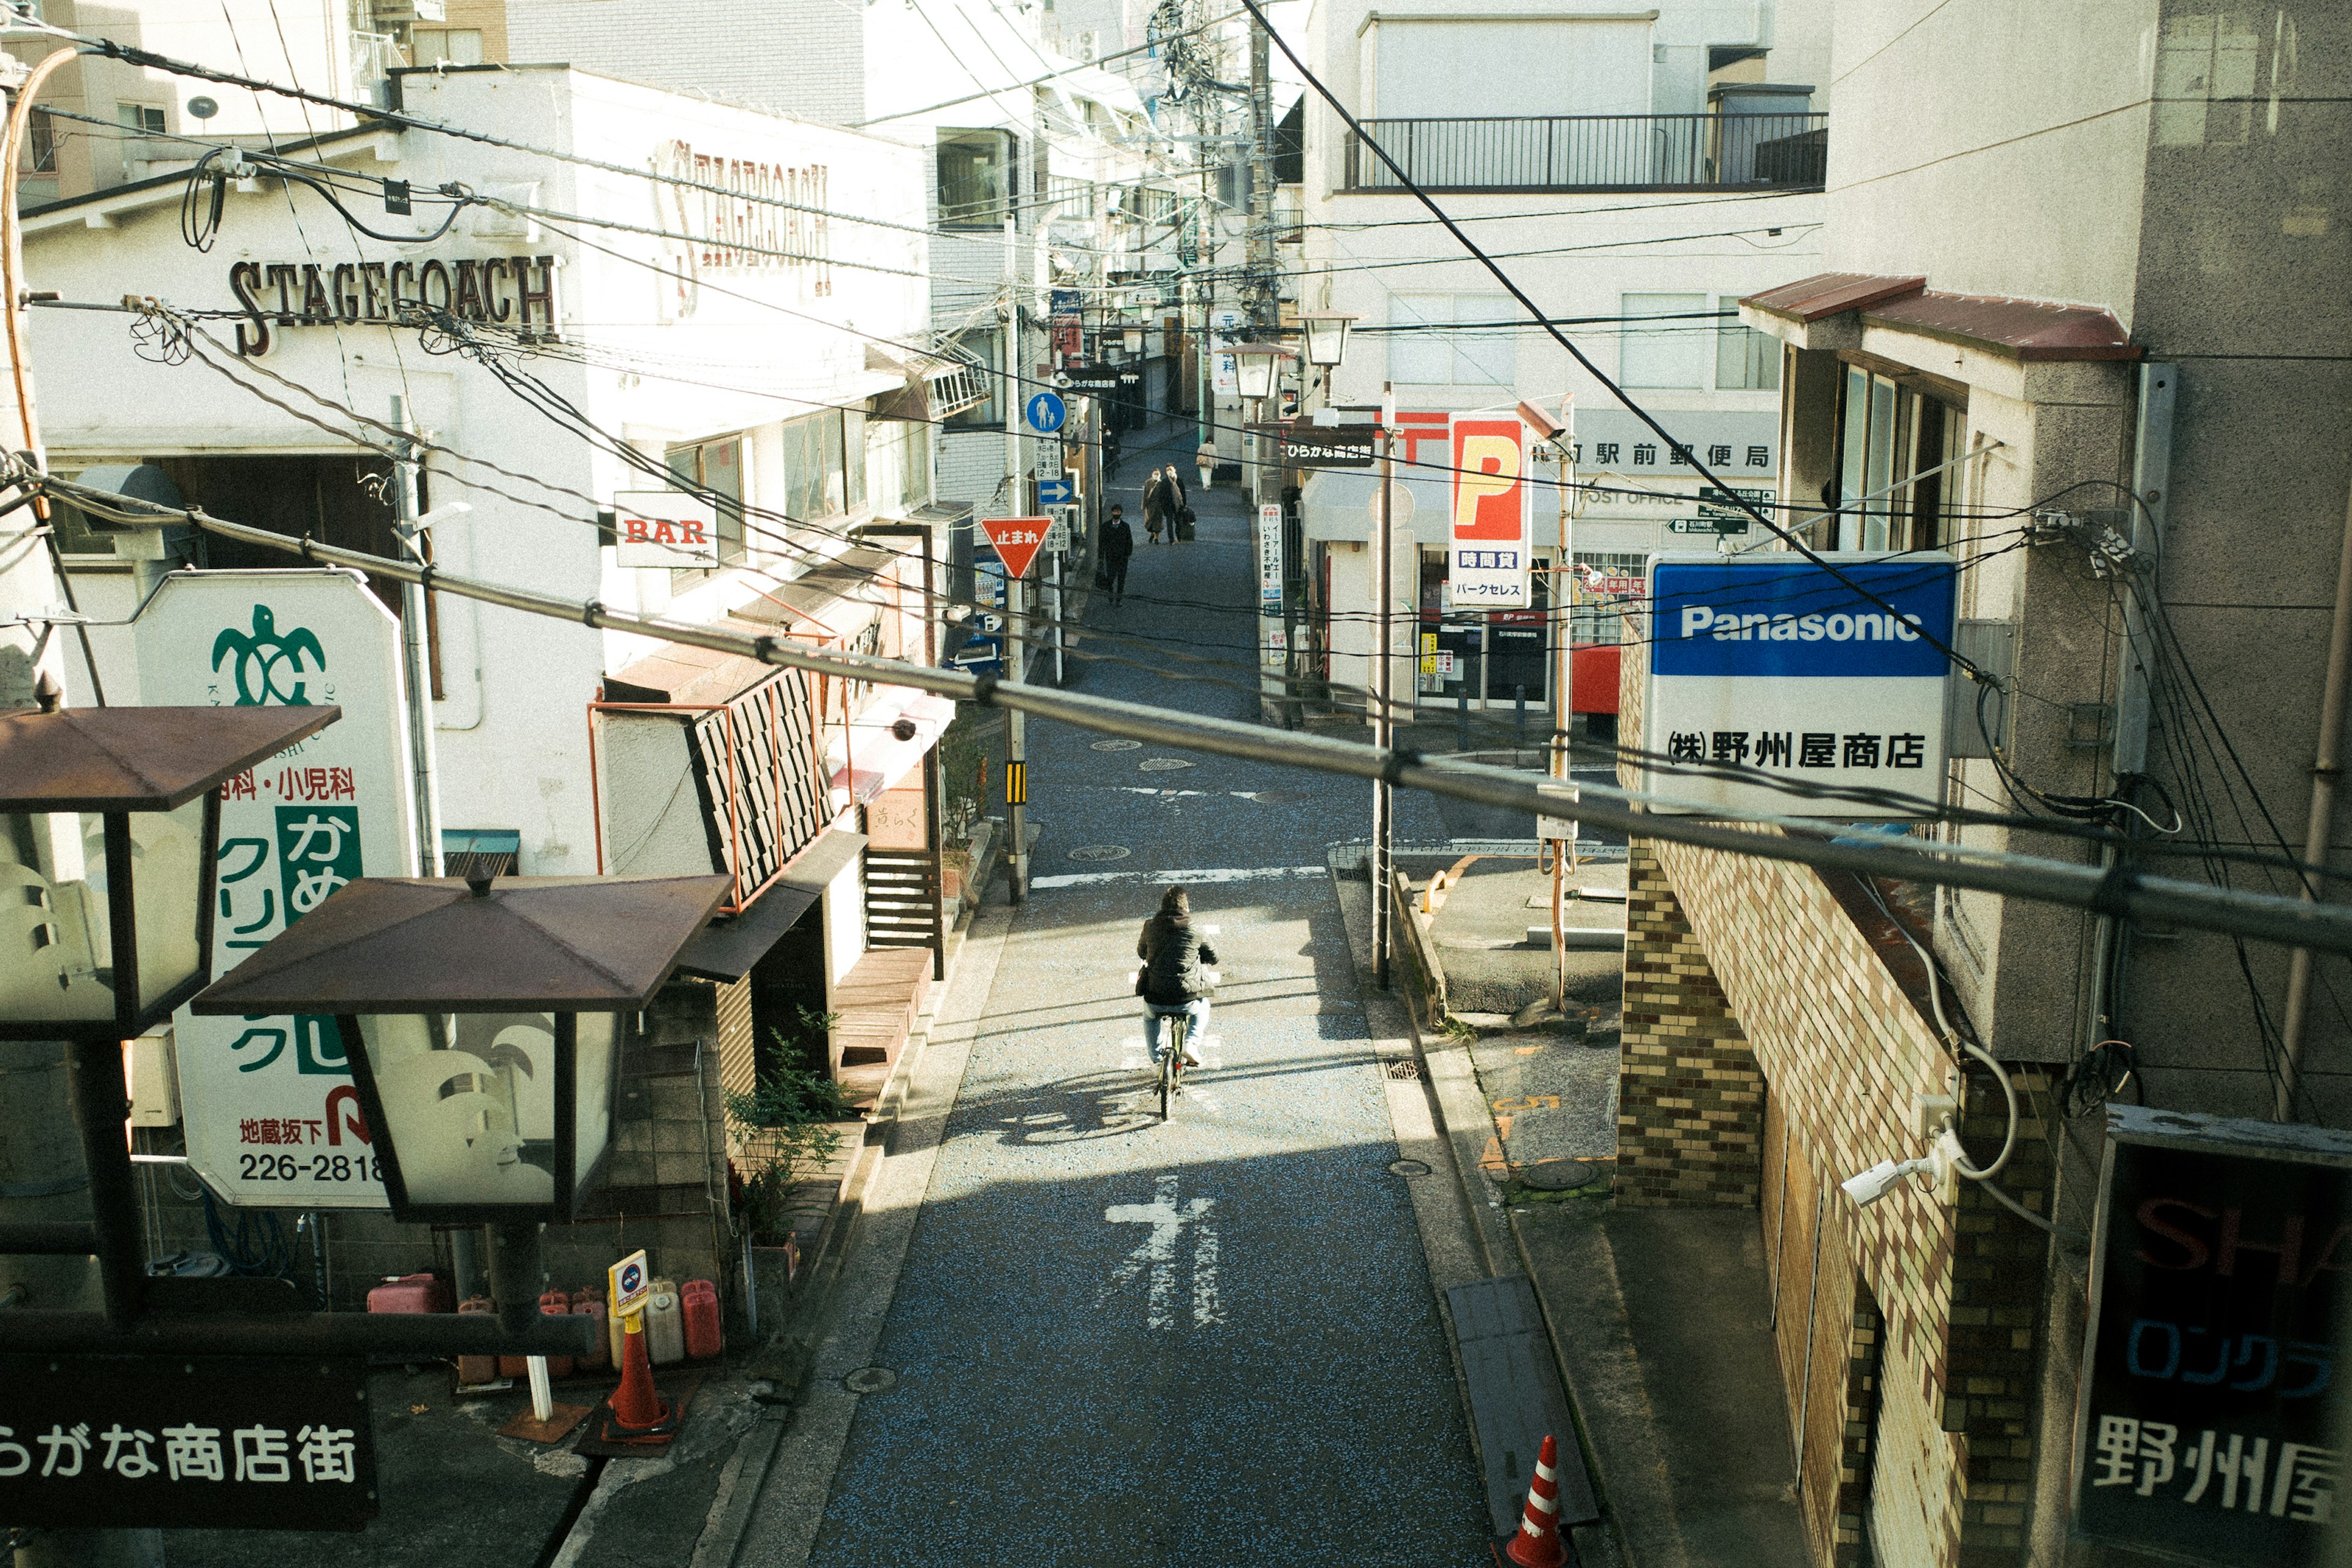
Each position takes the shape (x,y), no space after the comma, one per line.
(1491,537)
(665,528)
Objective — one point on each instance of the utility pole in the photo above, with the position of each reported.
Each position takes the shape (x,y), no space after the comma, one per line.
(416,652)
(1264,306)
(1383,676)
(1016,729)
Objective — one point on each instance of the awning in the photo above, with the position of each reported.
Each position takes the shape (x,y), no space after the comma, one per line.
(726,949)
(1336,505)
(876,753)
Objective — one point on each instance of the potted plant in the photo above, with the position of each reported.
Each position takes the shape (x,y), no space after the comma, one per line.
(780,1131)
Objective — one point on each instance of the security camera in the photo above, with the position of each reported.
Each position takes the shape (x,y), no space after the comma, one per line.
(1878,1181)
(1545,426)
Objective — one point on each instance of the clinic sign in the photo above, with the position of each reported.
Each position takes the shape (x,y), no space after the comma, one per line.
(1490,543)
(2205,1428)
(271,1113)
(1789,672)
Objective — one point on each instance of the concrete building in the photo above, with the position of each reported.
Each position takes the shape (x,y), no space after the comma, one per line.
(2083,326)
(1670,165)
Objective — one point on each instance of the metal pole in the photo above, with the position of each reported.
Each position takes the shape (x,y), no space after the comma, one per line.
(1016,733)
(1383,675)
(416,657)
(2326,763)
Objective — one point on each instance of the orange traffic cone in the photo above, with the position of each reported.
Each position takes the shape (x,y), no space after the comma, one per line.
(1538,1544)
(636,1410)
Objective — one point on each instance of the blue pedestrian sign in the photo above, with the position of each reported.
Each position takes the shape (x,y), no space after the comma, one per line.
(1046,413)
(1057,492)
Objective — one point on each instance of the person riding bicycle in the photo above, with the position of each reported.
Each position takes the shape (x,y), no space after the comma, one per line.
(1175,977)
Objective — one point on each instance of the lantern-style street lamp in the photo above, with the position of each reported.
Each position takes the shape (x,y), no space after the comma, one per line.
(1325,333)
(1255,365)
(110,824)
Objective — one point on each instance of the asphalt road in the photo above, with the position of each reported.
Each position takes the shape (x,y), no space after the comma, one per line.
(1212,1340)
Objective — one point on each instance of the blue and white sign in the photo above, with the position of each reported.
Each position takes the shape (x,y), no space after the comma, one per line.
(1773,666)
(1056,492)
(1046,413)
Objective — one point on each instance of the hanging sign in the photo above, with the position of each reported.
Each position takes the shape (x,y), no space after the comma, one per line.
(1491,543)
(1300,445)
(1017,539)
(2206,1428)
(182,1443)
(269,1111)
(1275,643)
(1773,666)
(665,528)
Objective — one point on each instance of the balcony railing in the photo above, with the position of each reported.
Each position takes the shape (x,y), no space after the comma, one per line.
(1595,152)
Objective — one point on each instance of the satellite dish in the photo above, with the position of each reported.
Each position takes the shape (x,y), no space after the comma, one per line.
(202,108)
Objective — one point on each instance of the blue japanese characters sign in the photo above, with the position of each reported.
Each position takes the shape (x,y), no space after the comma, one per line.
(271,1116)
(2206,1429)
(146,1442)
(1767,670)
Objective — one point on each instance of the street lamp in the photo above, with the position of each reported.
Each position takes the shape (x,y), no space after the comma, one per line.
(1327,335)
(1255,365)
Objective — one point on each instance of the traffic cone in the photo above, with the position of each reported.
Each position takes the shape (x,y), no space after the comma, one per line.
(637,1409)
(1538,1544)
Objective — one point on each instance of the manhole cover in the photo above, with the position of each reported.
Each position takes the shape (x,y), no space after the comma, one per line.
(1404,1069)
(1408,1168)
(871,1380)
(1557,1175)
(1100,852)
(1162,764)
(1118,745)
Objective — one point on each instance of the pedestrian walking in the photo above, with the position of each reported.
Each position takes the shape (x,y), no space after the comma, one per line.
(1180,517)
(1155,506)
(1109,452)
(1118,544)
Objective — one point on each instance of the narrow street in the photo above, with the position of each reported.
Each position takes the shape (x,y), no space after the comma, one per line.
(1213,1341)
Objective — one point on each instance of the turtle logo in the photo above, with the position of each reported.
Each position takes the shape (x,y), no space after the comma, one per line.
(266,656)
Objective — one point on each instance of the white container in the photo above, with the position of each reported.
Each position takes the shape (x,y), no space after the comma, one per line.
(665,1325)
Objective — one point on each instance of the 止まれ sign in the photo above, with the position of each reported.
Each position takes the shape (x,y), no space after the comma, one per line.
(665,528)
(146,1442)
(1775,669)
(271,1114)
(2205,1425)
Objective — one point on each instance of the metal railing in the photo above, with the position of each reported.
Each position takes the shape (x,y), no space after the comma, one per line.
(1595,152)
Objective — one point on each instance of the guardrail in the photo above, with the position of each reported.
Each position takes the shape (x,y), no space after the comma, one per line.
(1594,152)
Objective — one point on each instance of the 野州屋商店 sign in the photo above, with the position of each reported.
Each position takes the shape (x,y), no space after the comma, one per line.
(517,292)
(665,528)
(1489,547)
(1774,668)
(2205,1430)
(267,1103)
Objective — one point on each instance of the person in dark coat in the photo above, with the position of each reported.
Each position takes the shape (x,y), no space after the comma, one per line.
(1155,505)
(1172,497)
(1175,974)
(1118,544)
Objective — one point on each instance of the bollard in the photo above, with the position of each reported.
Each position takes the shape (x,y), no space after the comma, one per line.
(1461,710)
(1519,696)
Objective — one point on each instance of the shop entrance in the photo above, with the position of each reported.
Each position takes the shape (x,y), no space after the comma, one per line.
(787,986)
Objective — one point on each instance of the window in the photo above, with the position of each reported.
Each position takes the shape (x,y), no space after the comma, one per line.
(41,143)
(146,117)
(1745,359)
(716,468)
(976,180)
(1453,339)
(1889,435)
(444,45)
(1654,353)
(986,351)
(825,465)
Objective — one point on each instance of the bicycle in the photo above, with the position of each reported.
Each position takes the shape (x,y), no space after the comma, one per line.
(1172,1064)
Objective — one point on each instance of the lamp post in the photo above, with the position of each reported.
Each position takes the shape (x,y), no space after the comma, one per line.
(1561,436)
(110,824)
(1326,335)
(483,1022)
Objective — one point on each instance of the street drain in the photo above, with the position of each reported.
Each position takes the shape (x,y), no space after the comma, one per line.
(1118,745)
(871,1380)
(1408,1168)
(1558,1175)
(1407,1069)
(1162,764)
(1100,852)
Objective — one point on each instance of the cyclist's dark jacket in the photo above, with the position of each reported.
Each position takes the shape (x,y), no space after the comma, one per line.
(1173,955)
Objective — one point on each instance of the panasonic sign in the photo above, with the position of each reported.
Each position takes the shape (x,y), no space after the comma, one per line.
(1769,671)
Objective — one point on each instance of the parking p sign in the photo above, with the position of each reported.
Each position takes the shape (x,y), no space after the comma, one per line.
(1774,670)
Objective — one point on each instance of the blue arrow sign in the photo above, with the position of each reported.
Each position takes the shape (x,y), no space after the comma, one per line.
(1046,413)
(1056,492)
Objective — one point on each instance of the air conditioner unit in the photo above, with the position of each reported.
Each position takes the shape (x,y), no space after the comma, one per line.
(1089,45)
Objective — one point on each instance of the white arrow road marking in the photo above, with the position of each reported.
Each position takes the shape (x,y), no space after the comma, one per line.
(1157,1253)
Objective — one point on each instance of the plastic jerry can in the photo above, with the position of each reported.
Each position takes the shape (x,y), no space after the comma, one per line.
(665,1325)
(703,1338)
(585,1305)
(474,1369)
(556,1304)
(409,1293)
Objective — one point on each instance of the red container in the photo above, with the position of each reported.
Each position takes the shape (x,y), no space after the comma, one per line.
(476,1368)
(586,1304)
(557,1304)
(409,1293)
(704,1336)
